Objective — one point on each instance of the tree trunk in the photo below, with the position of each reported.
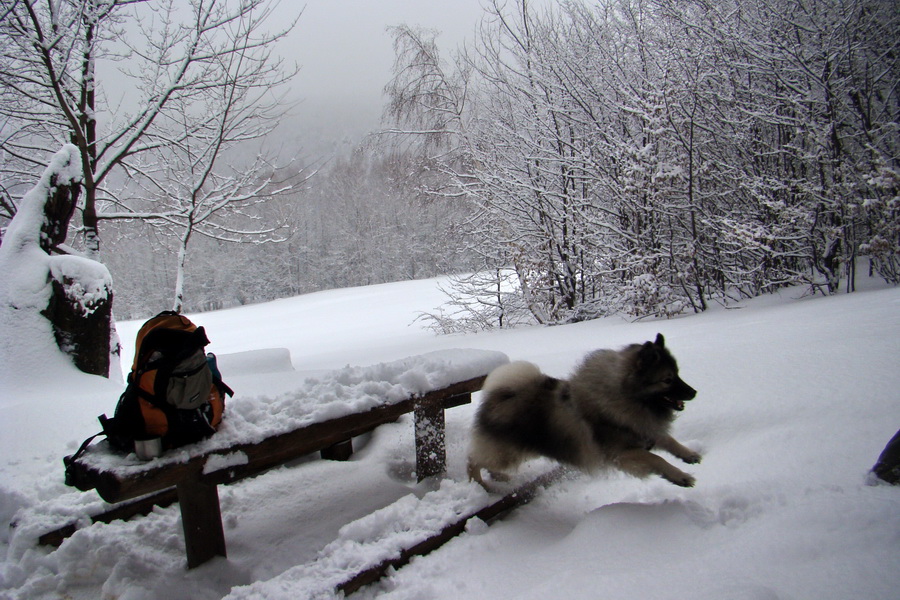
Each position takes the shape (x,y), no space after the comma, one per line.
(82,334)
(80,315)
(81,331)
(178,303)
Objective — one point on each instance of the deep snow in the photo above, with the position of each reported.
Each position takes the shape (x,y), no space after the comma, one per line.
(797,397)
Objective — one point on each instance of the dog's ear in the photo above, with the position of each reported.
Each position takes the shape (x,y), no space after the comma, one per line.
(660,340)
(648,355)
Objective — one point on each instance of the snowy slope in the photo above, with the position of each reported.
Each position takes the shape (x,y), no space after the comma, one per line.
(796,400)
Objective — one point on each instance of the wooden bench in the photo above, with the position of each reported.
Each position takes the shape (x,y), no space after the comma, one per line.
(195,483)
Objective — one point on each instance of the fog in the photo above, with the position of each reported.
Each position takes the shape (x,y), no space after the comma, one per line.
(345,54)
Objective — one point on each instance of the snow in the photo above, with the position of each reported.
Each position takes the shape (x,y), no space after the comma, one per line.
(797,398)
(84,280)
(24,232)
(219,462)
(369,541)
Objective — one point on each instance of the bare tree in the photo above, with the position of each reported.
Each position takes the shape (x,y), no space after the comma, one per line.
(645,156)
(196,80)
(174,59)
(427,95)
(207,188)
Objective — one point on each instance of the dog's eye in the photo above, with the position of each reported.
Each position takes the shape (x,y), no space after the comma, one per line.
(669,380)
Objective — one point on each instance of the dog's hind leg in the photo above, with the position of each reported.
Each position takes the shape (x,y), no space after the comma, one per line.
(496,457)
(673,447)
(642,463)
(473,469)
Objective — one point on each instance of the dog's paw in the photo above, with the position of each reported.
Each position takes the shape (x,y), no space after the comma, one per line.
(499,476)
(681,479)
(692,458)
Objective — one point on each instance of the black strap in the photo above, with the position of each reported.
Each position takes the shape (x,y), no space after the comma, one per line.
(217,376)
(223,388)
(174,345)
(84,446)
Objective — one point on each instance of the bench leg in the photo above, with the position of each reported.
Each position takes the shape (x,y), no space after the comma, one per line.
(431,453)
(340,451)
(204,537)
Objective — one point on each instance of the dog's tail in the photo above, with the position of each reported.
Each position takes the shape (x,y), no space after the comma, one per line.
(513,375)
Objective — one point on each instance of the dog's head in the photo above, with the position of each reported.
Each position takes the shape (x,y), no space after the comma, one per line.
(657,373)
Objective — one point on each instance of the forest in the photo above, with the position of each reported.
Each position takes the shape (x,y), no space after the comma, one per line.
(581,159)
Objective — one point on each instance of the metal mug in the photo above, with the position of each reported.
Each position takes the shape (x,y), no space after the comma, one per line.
(147,449)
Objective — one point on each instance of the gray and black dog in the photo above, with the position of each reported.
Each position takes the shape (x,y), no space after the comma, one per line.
(617,405)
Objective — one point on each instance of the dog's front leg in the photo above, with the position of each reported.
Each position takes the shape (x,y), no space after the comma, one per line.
(641,463)
(673,447)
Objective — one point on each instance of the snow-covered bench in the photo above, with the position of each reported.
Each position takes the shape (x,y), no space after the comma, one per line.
(261,433)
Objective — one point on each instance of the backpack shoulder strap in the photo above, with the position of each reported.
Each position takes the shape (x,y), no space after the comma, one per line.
(224,389)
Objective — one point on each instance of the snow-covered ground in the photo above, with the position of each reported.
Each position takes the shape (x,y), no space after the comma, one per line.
(797,397)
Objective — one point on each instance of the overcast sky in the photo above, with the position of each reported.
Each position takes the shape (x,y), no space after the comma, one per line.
(345,55)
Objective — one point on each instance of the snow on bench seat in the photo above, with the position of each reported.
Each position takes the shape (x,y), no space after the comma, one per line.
(351,390)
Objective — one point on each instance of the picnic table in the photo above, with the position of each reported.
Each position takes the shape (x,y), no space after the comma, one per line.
(261,433)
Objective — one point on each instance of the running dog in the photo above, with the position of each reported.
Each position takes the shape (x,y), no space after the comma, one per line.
(616,407)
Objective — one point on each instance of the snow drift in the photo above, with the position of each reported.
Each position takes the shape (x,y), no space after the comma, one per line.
(797,398)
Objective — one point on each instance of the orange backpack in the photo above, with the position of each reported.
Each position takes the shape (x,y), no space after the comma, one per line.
(174,391)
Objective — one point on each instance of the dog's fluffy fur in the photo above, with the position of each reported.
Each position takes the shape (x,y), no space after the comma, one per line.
(616,407)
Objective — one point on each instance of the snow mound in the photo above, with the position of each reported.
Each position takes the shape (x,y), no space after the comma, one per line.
(255,362)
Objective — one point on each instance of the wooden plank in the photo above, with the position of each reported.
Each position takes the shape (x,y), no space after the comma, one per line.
(460,388)
(277,450)
(271,452)
(123,511)
(458,400)
(201,518)
(492,512)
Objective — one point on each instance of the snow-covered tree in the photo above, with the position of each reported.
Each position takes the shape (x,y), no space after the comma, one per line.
(199,79)
(199,73)
(67,298)
(647,156)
